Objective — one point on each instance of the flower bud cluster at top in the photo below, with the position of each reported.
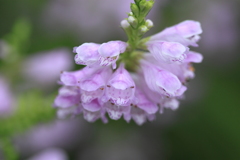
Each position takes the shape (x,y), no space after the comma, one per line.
(135,26)
(122,79)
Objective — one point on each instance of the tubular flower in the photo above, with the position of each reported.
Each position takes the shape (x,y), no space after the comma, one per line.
(121,79)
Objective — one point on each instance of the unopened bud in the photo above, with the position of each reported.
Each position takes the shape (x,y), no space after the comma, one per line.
(134,9)
(145,7)
(125,24)
(142,5)
(149,23)
(132,21)
(143,29)
(130,14)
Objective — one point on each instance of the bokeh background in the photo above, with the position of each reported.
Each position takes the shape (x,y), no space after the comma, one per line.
(36,39)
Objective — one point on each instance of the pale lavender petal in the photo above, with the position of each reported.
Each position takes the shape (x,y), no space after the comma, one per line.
(91,116)
(63,113)
(94,86)
(185,33)
(144,103)
(115,112)
(168,52)
(188,28)
(112,48)
(171,104)
(159,80)
(87,54)
(92,106)
(127,117)
(184,71)
(67,97)
(73,78)
(106,61)
(120,87)
(109,52)
(138,115)
(193,57)
(180,91)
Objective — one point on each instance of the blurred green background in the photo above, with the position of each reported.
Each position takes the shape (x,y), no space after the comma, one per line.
(207,124)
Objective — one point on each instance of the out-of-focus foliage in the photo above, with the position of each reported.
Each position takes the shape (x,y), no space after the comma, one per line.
(33,108)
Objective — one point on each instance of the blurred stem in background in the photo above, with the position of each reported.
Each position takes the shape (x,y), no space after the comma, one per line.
(31,107)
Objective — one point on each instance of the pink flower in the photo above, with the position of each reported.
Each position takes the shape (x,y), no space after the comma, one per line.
(149,82)
(186,33)
(100,55)
(87,54)
(68,96)
(161,81)
(94,86)
(120,87)
(168,52)
(109,52)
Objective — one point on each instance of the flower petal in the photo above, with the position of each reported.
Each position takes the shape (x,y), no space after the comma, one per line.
(87,54)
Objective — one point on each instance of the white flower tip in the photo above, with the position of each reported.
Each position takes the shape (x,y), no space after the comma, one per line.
(125,24)
(130,13)
(131,19)
(144,29)
(149,23)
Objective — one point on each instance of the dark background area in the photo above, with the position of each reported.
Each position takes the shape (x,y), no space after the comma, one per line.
(207,124)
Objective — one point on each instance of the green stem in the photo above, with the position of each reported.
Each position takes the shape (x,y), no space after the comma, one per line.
(8,149)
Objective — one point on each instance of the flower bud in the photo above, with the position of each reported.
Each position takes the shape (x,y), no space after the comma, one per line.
(143,29)
(130,14)
(124,24)
(145,7)
(132,21)
(134,9)
(149,23)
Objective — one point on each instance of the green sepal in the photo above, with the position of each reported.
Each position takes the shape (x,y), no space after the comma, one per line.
(134,9)
(137,1)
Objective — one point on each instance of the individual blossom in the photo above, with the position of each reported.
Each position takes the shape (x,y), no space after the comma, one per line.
(87,54)
(142,109)
(94,86)
(120,87)
(133,79)
(168,52)
(92,116)
(99,54)
(161,81)
(72,78)
(184,71)
(186,33)
(68,96)
(109,52)
(115,111)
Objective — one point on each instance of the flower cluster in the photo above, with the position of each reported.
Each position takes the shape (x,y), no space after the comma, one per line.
(132,79)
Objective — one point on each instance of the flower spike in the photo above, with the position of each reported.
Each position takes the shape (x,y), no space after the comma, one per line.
(134,79)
